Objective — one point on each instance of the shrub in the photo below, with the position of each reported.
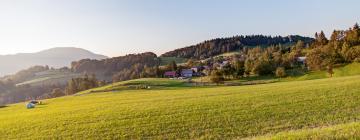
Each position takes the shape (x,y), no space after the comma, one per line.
(216,76)
(280,72)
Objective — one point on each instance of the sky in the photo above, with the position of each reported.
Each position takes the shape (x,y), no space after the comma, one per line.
(119,27)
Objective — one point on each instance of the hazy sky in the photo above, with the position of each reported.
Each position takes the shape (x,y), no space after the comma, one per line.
(118,27)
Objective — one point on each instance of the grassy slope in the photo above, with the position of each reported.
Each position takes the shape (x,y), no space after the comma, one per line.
(153,83)
(213,112)
(351,69)
(348,70)
(342,131)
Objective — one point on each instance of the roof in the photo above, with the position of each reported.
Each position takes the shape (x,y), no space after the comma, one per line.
(170,73)
(190,71)
(303,58)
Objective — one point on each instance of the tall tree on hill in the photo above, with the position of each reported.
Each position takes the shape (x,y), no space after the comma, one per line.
(190,63)
(321,39)
(71,87)
(300,45)
(356,26)
(320,58)
(216,76)
(353,36)
(172,66)
(239,67)
(280,72)
(329,70)
(80,84)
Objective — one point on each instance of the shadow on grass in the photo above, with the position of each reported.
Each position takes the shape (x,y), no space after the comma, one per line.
(3,106)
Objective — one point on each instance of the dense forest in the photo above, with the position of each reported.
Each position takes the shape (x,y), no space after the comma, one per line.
(218,46)
(105,69)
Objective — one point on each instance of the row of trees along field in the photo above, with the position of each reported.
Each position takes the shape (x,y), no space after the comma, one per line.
(118,68)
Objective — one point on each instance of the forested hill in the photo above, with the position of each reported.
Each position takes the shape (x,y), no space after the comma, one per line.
(223,45)
(105,69)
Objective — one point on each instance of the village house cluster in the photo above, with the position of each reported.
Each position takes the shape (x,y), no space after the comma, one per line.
(213,63)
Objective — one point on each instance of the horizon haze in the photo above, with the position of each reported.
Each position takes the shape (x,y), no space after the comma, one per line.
(116,28)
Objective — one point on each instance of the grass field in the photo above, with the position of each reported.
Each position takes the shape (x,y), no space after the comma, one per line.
(148,83)
(323,108)
(342,131)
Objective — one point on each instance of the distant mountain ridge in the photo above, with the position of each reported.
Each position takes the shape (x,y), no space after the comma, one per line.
(54,57)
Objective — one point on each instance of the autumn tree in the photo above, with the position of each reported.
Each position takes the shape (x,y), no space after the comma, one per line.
(320,39)
(80,84)
(329,70)
(239,68)
(280,72)
(172,66)
(216,77)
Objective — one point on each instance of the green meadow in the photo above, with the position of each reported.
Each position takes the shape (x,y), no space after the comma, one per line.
(170,109)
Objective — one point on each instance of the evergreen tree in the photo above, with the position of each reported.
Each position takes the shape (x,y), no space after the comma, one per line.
(330,70)
(239,67)
(216,76)
(356,26)
(321,39)
(172,66)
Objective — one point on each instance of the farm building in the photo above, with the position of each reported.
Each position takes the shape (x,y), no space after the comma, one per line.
(197,71)
(301,60)
(187,73)
(170,74)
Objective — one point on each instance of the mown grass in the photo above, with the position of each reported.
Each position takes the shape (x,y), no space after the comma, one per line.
(342,131)
(190,113)
(348,70)
(151,83)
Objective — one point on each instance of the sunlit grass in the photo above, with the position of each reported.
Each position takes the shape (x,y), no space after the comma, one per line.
(189,113)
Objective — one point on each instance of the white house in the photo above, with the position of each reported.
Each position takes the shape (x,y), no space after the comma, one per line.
(187,73)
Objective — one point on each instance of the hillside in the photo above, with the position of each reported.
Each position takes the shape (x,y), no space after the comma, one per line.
(219,46)
(55,57)
(279,110)
(122,67)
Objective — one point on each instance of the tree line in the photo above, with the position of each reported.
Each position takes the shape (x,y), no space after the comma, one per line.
(342,47)
(218,46)
(121,68)
(321,54)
